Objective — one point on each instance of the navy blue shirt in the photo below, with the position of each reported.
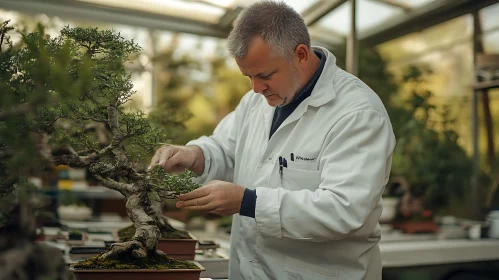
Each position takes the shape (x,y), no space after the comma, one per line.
(248,204)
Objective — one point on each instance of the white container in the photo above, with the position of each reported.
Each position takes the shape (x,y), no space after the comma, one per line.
(74,213)
(493,219)
(475,232)
(389,209)
(211,227)
(77,173)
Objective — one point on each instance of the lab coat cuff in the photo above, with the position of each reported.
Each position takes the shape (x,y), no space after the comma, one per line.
(207,161)
(267,216)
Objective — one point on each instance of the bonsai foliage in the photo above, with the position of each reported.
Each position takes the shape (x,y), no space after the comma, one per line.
(97,86)
(33,77)
(427,153)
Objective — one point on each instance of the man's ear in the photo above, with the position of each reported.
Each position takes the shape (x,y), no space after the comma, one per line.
(302,54)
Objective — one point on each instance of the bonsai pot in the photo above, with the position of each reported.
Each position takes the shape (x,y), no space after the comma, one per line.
(75,236)
(412,227)
(183,249)
(139,274)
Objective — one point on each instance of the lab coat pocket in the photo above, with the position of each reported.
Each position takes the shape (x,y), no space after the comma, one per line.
(250,270)
(297,179)
(299,270)
(309,166)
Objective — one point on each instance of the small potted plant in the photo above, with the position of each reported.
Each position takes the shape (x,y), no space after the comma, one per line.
(76,237)
(391,198)
(40,235)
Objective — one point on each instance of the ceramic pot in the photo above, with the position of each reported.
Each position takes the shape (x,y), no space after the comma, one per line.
(183,249)
(139,274)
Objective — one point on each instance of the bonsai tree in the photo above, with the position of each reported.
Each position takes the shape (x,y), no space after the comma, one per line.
(94,64)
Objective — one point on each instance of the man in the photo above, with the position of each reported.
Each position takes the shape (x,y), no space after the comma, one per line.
(302,161)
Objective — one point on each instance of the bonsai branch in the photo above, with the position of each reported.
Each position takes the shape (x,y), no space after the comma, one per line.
(123,188)
(69,157)
(113,120)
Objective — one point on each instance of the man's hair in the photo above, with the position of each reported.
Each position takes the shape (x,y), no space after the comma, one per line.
(279,25)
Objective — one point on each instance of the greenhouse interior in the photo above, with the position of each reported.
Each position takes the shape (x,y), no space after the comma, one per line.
(135,143)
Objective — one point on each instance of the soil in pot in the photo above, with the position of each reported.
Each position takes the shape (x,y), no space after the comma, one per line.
(152,262)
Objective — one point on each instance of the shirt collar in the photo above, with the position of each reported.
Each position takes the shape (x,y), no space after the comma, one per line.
(307,89)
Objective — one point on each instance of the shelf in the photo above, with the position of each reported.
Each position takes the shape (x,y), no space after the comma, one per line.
(97,192)
(433,252)
(486,85)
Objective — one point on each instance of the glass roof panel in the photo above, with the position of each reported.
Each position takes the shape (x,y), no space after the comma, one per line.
(298,5)
(206,11)
(488,17)
(414,3)
(339,19)
(367,9)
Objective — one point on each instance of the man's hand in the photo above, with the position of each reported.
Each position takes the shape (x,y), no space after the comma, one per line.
(175,159)
(216,197)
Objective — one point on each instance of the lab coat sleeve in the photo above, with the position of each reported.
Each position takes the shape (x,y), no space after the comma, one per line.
(219,148)
(355,167)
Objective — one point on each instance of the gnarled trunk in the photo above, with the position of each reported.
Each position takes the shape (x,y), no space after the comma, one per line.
(145,240)
(162,222)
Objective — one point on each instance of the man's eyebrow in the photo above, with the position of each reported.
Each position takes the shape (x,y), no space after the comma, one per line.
(263,74)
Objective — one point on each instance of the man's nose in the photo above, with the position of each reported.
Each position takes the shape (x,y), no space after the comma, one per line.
(258,86)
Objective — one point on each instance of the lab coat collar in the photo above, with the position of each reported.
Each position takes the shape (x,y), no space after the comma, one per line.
(324,91)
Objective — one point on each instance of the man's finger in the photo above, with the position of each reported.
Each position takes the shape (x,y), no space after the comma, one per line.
(155,158)
(206,207)
(172,161)
(194,194)
(194,202)
(164,156)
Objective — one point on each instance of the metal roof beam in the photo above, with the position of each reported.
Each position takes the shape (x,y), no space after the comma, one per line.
(418,19)
(396,4)
(89,11)
(226,20)
(319,9)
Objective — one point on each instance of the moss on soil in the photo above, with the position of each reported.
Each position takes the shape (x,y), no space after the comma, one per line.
(152,262)
(127,233)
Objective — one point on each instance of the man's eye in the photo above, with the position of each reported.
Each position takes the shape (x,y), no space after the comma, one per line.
(268,76)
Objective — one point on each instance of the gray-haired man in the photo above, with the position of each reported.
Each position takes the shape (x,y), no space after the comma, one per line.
(302,161)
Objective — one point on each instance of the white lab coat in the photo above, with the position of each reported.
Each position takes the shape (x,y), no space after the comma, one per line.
(321,220)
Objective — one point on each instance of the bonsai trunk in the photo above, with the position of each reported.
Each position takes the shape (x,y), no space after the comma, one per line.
(145,240)
(167,231)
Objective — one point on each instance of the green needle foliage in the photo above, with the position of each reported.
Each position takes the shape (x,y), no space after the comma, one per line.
(62,102)
(36,75)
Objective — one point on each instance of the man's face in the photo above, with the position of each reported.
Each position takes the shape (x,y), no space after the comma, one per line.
(276,78)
